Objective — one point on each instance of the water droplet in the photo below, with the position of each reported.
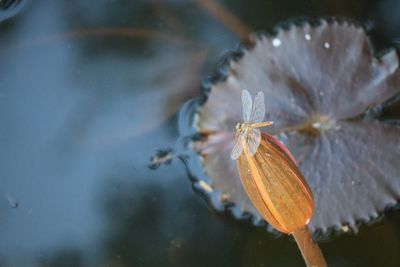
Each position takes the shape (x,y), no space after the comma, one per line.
(206,187)
(327,45)
(276,42)
(345,228)
(307,37)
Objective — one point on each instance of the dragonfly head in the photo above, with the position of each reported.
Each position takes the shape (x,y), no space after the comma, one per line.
(239,126)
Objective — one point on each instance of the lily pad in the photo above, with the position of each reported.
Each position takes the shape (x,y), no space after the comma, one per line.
(319,80)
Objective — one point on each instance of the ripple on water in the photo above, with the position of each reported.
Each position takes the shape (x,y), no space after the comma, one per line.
(10,8)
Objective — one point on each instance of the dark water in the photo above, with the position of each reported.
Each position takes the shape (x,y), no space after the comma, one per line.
(89,91)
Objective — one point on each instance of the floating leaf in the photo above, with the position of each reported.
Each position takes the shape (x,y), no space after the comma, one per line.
(319,81)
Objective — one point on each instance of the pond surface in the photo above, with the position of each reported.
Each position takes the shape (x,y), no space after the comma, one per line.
(90,90)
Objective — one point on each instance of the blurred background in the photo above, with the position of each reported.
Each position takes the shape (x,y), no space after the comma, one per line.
(90,90)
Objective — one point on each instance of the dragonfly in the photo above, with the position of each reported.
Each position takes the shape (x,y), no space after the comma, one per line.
(248,134)
(272,180)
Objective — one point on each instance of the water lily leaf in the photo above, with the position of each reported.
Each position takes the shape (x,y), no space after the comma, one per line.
(319,81)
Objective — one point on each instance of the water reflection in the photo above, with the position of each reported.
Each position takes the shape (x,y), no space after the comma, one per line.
(81,112)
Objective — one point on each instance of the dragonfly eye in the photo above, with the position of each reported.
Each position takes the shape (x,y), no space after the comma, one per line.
(238,126)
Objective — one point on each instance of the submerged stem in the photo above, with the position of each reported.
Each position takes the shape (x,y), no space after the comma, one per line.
(227,18)
(309,249)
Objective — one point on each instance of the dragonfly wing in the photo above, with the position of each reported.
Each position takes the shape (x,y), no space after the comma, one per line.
(247,105)
(253,140)
(238,148)
(258,112)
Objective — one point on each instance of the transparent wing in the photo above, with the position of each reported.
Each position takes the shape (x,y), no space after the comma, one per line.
(253,140)
(238,148)
(258,112)
(247,105)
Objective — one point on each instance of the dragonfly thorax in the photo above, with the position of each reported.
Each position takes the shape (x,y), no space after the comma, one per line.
(243,126)
(251,125)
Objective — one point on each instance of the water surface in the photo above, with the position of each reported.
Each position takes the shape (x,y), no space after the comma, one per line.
(88,92)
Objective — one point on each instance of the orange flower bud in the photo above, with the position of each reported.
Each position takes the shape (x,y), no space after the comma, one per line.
(276,186)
